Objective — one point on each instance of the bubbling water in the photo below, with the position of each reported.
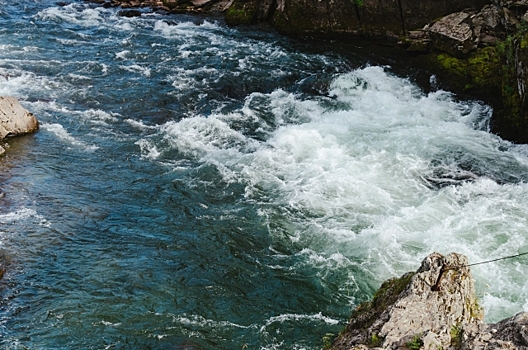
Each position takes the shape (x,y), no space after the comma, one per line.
(377,172)
(225,187)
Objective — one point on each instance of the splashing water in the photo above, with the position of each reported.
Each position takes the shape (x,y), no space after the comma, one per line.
(201,186)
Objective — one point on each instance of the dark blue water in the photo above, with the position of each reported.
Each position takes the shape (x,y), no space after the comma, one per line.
(226,188)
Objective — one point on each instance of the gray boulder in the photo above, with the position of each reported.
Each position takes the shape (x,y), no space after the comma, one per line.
(453,34)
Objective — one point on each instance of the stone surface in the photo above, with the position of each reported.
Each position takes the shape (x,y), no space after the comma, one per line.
(453,34)
(433,308)
(14,119)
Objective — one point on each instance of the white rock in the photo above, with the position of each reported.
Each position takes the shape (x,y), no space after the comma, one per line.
(14,119)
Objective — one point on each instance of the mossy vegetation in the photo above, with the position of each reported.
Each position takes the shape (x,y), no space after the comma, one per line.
(358,3)
(494,74)
(477,72)
(241,12)
(327,341)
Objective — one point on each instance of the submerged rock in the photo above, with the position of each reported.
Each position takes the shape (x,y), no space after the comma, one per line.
(129,13)
(15,120)
(432,308)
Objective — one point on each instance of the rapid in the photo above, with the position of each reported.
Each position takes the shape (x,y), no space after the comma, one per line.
(199,186)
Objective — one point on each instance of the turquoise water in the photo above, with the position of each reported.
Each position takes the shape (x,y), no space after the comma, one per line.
(205,187)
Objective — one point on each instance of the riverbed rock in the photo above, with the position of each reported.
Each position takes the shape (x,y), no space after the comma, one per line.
(432,308)
(15,120)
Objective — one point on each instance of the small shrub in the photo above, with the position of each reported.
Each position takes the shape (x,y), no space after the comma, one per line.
(416,343)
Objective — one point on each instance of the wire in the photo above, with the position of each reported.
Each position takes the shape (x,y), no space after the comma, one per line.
(488,261)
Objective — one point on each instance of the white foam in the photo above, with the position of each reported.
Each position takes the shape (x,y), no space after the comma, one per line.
(74,13)
(122,54)
(207,137)
(136,68)
(354,178)
(18,215)
(139,124)
(148,149)
(196,320)
(185,29)
(62,134)
(23,214)
(295,317)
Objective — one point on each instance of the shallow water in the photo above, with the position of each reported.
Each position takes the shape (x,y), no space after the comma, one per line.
(205,186)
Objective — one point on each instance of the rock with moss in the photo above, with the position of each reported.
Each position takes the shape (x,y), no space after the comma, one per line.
(242,12)
(432,308)
(418,308)
(483,55)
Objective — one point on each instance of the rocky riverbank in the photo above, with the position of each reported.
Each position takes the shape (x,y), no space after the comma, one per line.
(432,308)
(476,48)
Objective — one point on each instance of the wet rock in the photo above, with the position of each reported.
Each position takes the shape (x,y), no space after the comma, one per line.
(449,176)
(14,119)
(129,13)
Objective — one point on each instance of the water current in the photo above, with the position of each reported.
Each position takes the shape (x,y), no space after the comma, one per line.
(199,186)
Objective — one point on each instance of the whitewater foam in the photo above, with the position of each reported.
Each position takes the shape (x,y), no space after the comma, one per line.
(356,178)
(63,134)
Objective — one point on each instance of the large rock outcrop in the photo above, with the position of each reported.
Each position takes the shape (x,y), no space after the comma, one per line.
(433,308)
(15,120)
(482,54)
(370,18)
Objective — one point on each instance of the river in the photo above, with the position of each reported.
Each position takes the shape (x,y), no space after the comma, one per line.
(196,186)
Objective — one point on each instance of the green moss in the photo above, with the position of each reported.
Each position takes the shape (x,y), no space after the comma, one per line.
(366,313)
(524,41)
(474,308)
(477,72)
(452,64)
(241,12)
(358,3)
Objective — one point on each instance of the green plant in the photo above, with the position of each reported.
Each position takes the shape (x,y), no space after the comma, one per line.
(456,336)
(328,339)
(358,3)
(416,343)
(375,341)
